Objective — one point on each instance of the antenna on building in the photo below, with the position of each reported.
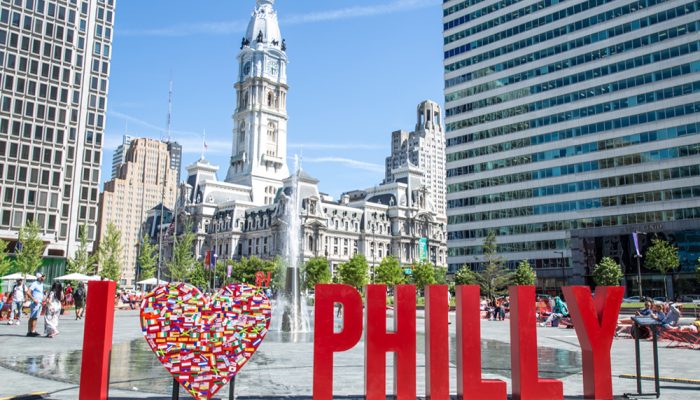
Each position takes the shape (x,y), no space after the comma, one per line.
(204,144)
(170,111)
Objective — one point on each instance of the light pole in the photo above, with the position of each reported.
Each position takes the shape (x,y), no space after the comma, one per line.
(563,266)
(638,256)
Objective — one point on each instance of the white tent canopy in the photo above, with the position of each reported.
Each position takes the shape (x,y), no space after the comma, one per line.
(152,282)
(75,277)
(14,277)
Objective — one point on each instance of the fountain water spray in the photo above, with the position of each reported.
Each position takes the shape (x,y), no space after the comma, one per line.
(295,316)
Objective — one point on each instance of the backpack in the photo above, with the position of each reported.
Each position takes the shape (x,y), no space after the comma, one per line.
(79,294)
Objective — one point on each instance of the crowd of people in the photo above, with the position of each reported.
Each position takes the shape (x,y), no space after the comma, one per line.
(51,304)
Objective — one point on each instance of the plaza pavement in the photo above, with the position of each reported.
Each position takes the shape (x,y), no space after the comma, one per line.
(282,369)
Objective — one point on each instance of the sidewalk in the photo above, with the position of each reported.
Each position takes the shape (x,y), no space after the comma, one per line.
(282,369)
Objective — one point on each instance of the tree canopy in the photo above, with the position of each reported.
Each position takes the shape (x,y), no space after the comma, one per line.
(83,262)
(183,262)
(424,275)
(31,249)
(148,259)
(5,262)
(354,272)
(465,276)
(524,274)
(607,273)
(316,271)
(495,278)
(663,257)
(110,254)
(389,272)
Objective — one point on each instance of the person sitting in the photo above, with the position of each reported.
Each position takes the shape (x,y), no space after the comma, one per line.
(670,321)
(560,310)
(647,310)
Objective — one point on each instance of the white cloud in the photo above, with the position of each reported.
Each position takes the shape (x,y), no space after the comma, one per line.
(348,162)
(232,27)
(191,141)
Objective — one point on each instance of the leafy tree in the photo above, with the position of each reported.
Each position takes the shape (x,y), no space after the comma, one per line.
(5,263)
(110,254)
(183,262)
(279,271)
(697,271)
(494,279)
(465,276)
(663,257)
(524,275)
(148,259)
(199,276)
(354,272)
(607,273)
(440,275)
(424,275)
(316,271)
(28,258)
(389,272)
(83,263)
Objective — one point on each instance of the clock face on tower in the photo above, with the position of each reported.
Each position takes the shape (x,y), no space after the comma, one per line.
(272,67)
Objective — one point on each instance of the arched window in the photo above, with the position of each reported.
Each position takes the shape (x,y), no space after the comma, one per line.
(311,243)
(270,98)
(241,133)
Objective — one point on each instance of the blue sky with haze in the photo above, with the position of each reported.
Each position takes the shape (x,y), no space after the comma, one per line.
(358,69)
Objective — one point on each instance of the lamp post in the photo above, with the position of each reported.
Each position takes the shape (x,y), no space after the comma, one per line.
(563,266)
(638,256)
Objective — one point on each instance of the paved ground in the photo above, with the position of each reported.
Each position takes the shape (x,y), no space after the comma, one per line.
(283,369)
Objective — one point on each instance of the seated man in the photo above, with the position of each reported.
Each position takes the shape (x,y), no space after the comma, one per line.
(560,310)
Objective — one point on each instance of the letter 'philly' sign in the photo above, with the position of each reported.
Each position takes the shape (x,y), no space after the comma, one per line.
(594,317)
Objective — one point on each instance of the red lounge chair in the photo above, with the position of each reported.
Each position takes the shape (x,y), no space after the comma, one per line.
(681,338)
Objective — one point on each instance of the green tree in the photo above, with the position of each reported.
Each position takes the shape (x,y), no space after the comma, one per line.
(697,271)
(183,262)
(524,275)
(389,272)
(494,279)
(354,272)
(316,271)
(28,259)
(5,262)
(148,259)
(424,275)
(110,254)
(440,275)
(607,273)
(199,276)
(465,276)
(663,257)
(83,263)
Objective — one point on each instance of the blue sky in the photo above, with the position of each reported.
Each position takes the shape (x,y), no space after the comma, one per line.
(358,69)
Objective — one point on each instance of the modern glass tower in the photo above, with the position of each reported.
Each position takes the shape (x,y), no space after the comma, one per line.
(55,59)
(570,125)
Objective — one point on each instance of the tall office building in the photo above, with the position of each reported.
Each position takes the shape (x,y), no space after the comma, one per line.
(570,125)
(119,156)
(146,179)
(55,58)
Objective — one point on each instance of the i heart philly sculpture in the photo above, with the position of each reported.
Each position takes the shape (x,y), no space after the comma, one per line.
(204,342)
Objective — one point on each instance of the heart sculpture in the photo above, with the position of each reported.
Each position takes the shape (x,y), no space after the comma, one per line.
(204,342)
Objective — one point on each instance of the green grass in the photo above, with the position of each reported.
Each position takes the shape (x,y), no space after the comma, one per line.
(686,306)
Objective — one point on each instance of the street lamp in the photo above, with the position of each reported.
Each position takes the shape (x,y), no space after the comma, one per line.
(638,256)
(563,266)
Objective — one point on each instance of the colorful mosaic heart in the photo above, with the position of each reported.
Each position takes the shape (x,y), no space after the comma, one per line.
(204,342)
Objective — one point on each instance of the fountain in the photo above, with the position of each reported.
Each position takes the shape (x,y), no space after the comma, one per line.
(292,303)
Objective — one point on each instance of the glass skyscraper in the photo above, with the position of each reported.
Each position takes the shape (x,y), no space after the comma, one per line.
(570,125)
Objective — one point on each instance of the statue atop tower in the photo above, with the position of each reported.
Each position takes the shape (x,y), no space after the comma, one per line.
(259,149)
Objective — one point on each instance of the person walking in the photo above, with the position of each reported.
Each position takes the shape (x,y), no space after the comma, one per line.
(17,302)
(79,298)
(53,310)
(36,295)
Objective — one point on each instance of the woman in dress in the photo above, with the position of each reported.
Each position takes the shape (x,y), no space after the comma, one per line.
(53,310)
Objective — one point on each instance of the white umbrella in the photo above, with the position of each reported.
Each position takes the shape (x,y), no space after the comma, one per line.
(152,281)
(73,277)
(14,277)
(94,278)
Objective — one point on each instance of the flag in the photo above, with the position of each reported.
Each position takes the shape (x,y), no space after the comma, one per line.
(207,259)
(229,269)
(635,238)
(213,260)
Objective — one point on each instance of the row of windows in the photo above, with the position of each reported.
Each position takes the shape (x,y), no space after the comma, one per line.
(582,223)
(31,67)
(559,65)
(583,112)
(581,130)
(579,149)
(50,156)
(53,10)
(655,196)
(18,220)
(58,31)
(20,86)
(639,178)
(535,24)
(510,248)
(576,43)
(595,165)
(583,94)
(41,133)
(494,22)
(458,7)
(625,65)
(13,173)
